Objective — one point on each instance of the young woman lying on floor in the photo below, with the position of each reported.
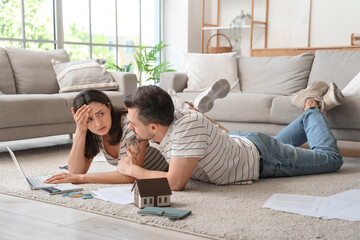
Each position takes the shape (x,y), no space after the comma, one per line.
(100,126)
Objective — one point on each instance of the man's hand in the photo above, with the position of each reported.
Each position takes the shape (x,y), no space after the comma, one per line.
(127,163)
(63,178)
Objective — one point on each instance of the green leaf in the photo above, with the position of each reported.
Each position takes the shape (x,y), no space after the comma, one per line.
(146,61)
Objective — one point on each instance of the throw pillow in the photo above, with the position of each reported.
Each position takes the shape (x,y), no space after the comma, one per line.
(33,73)
(80,75)
(203,70)
(7,83)
(353,87)
(283,75)
(335,66)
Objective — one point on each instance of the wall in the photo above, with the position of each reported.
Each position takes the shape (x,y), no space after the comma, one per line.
(332,22)
(181,29)
(332,25)
(175,30)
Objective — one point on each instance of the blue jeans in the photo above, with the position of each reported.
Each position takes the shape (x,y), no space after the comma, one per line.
(281,156)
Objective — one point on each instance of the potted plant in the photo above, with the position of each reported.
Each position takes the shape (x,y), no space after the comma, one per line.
(125,68)
(146,62)
(236,24)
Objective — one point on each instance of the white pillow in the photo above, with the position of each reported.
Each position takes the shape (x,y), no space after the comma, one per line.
(353,87)
(203,70)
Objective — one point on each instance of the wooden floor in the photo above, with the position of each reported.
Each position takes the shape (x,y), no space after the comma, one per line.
(28,219)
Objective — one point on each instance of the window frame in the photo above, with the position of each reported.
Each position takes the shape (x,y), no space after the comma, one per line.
(59,30)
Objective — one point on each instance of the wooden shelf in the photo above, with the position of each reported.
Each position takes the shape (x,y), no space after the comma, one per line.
(228,27)
(216,27)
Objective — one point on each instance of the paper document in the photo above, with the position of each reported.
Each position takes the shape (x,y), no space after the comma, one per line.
(345,206)
(122,195)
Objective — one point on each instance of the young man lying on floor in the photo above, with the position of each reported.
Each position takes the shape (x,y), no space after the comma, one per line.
(196,148)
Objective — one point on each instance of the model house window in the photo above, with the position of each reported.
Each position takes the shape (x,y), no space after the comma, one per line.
(145,201)
(85,28)
(165,199)
(159,199)
(150,201)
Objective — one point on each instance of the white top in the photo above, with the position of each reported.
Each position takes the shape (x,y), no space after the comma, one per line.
(223,160)
(153,158)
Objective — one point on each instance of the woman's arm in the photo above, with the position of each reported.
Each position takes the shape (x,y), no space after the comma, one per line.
(138,152)
(107,177)
(77,162)
(137,149)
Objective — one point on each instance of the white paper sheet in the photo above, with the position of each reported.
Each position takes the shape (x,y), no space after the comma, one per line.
(121,195)
(345,206)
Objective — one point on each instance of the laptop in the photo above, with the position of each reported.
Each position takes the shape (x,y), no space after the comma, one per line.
(34,182)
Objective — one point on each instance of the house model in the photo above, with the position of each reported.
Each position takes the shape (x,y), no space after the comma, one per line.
(153,192)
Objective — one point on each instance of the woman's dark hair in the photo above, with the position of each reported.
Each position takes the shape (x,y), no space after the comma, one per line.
(154,104)
(115,133)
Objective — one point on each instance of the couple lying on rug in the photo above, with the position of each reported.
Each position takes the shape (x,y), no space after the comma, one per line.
(152,140)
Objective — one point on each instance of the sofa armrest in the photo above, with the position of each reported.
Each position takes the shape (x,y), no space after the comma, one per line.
(127,81)
(173,80)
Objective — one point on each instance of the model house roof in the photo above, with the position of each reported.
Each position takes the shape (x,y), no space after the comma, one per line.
(152,187)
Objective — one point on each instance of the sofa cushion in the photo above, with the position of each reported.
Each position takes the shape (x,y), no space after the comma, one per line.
(345,116)
(238,107)
(203,70)
(283,113)
(32,69)
(283,75)
(335,66)
(79,75)
(33,109)
(7,83)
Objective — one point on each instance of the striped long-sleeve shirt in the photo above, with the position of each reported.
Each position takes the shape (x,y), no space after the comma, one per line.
(224,159)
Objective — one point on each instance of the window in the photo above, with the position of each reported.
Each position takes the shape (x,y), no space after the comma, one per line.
(145,201)
(85,28)
(165,199)
(27,24)
(159,199)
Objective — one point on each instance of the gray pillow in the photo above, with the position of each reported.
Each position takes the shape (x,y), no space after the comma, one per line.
(7,83)
(85,74)
(335,66)
(32,69)
(274,75)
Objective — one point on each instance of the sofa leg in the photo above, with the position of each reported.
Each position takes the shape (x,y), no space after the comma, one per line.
(70,136)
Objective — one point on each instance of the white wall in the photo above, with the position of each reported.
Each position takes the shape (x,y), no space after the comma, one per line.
(175,30)
(181,30)
(332,22)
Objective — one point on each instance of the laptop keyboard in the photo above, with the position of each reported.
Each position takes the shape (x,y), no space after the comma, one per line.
(38,181)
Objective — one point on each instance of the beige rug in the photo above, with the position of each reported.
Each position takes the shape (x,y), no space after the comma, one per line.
(225,212)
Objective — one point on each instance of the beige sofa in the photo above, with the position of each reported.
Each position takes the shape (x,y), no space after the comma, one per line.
(30,103)
(267,85)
